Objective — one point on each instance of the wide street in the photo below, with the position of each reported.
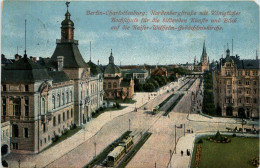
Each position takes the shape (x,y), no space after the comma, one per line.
(158,150)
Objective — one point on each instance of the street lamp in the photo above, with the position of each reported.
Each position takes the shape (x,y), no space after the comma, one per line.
(19,162)
(95,144)
(129,124)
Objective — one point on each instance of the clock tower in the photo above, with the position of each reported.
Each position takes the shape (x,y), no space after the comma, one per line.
(67,26)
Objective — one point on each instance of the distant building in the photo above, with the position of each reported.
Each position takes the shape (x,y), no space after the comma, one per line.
(138,74)
(236,86)
(114,85)
(203,65)
(159,71)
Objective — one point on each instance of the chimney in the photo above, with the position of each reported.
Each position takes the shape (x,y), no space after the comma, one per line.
(60,60)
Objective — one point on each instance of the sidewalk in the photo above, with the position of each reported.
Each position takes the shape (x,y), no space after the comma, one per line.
(187,142)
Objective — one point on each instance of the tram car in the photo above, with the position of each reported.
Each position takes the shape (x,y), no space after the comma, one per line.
(155,110)
(119,151)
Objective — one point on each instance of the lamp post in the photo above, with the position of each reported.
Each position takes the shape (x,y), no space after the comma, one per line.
(129,123)
(95,144)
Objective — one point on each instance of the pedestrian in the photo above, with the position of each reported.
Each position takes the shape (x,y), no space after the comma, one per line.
(191,130)
(181,153)
(187,152)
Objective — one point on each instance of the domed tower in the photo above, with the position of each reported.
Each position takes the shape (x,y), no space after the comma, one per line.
(67,26)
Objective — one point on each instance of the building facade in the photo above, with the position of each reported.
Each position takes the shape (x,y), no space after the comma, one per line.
(45,98)
(236,86)
(115,87)
(138,74)
(203,65)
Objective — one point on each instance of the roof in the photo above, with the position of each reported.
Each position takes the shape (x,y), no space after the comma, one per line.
(112,69)
(117,150)
(43,61)
(136,71)
(58,76)
(71,53)
(24,70)
(242,64)
(94,69)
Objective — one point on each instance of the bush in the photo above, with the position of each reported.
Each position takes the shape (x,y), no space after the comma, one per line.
(200,141)
(117,105)
(55,138)
(73,126)
(234,135)
(4,163)
(65,131)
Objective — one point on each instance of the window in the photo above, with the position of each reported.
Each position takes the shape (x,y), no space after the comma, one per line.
(67,95)
(109,85)
(45,140)
(26,88)
(41,142)
(239,82)
(43,106)
(58,100)
(68,114)
(255,100)
(49,138)
(53,102)
(54,121)
(254,90)
(26,105)
(17,106)
(104,85)
(248,91)
(247,100)
(15,130)
(240,100)
(15,145)
(63,116)
(63,99)
(247,73)
(4,88)
(70,96)
(59,119)
(26,133)
(247,83)
(255,82)
(114,85)
(4,106)
(44,127)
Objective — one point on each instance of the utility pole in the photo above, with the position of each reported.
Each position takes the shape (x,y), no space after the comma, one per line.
(95,144)
(129,124)
(184,129)
(175,139)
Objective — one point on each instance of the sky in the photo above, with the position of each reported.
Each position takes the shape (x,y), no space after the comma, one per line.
(129,46)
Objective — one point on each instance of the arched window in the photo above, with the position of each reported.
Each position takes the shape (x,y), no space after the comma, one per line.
(58,100)
(67,95)
(114,85)
(63,99)
(43,108)
(53,102)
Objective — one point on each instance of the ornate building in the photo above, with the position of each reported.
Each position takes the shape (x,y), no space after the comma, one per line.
(41,100)
(236,86)
(88,95)
(114,85)
(203,65)
(39,104)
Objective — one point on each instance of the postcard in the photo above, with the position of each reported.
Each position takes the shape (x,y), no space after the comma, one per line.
(136,84)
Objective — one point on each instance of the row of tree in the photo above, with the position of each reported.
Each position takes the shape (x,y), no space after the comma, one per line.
(208,106)
(153,83)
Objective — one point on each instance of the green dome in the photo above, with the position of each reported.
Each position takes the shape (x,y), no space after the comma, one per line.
(112,69)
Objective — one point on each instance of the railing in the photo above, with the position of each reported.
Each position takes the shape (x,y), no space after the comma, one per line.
(66,41)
